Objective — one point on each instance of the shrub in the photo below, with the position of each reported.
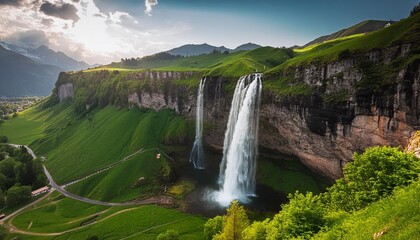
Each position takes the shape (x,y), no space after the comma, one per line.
(302,216)
(372,175)
(213,226)
(4,139)
(168,235)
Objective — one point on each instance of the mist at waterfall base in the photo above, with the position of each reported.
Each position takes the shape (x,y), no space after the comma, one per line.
(197,152)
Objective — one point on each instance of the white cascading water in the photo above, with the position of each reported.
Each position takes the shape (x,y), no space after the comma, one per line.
(197,152)
(240,150)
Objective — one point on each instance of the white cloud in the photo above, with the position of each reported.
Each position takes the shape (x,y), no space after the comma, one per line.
(149,6)
(97,36)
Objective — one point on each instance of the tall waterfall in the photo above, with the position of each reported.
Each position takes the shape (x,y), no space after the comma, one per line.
(197,152)
(240,150)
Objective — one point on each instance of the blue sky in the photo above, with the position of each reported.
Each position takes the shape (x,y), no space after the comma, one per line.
(106,30)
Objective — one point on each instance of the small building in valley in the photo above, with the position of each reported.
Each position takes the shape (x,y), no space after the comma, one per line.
(39,191)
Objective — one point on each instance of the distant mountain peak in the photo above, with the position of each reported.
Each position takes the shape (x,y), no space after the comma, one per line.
(45,55)
(205,48)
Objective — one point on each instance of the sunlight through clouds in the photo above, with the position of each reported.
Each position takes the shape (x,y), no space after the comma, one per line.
(81,30)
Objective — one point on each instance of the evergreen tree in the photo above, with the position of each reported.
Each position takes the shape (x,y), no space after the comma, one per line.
(236,222)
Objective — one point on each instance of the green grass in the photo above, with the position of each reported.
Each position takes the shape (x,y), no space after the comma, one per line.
(84,145)
(23,129)
(144,222)
(77,146)
(310,47)
(405,31)
(110,69)
(119,184)
(397,216)
(181,187)
(56,215)
(228,65)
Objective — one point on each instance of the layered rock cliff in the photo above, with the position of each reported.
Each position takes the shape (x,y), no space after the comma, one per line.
(350,106)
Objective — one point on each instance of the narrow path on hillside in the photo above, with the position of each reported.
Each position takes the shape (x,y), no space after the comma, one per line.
(151,228)
(105,168)
(13,229)
(91,201)
(24,207)
(54,185)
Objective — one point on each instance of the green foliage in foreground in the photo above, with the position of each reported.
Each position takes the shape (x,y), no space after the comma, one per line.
(365,190)
(234,224)
(373,175)
(394,217)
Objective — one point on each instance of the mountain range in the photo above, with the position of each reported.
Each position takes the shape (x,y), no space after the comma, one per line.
(33,71)
(29,71)
(198,49)
(22,76)
(45,55)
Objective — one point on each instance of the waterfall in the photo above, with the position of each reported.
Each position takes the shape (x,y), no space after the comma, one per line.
(240,150)
(197,152)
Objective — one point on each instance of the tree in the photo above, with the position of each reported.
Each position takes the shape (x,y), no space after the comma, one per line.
(303,216)
(2,199)
(213,226)
(168,235)
(372,175)
(16,195)
(256,231)
(415,10)
(4,139)
(236,222)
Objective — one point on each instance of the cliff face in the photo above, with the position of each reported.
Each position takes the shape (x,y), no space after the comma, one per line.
(325,134)
(65,91)
(323,128)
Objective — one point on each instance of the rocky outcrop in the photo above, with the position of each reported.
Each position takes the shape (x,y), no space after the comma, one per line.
(65,91)
(166,95)
(414,144)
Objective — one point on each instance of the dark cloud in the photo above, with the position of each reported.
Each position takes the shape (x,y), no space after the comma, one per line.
(29,38)
(75,1)
(11,2)
(47,21)
(101,15)
(65,11)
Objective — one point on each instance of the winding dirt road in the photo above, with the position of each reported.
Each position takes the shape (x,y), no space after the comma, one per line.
(54,185)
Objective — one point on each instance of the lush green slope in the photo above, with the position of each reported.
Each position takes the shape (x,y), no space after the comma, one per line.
(233,64)
(405,31)
(71,218)
(360,28)
(78,146)
(395,217)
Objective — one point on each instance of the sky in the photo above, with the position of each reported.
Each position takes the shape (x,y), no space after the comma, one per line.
(102,31)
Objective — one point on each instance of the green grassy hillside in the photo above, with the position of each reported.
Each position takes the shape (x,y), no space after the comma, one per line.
(405,31)
(68,219)
(360,28)
(234,64)
(395,217)
(76,146)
